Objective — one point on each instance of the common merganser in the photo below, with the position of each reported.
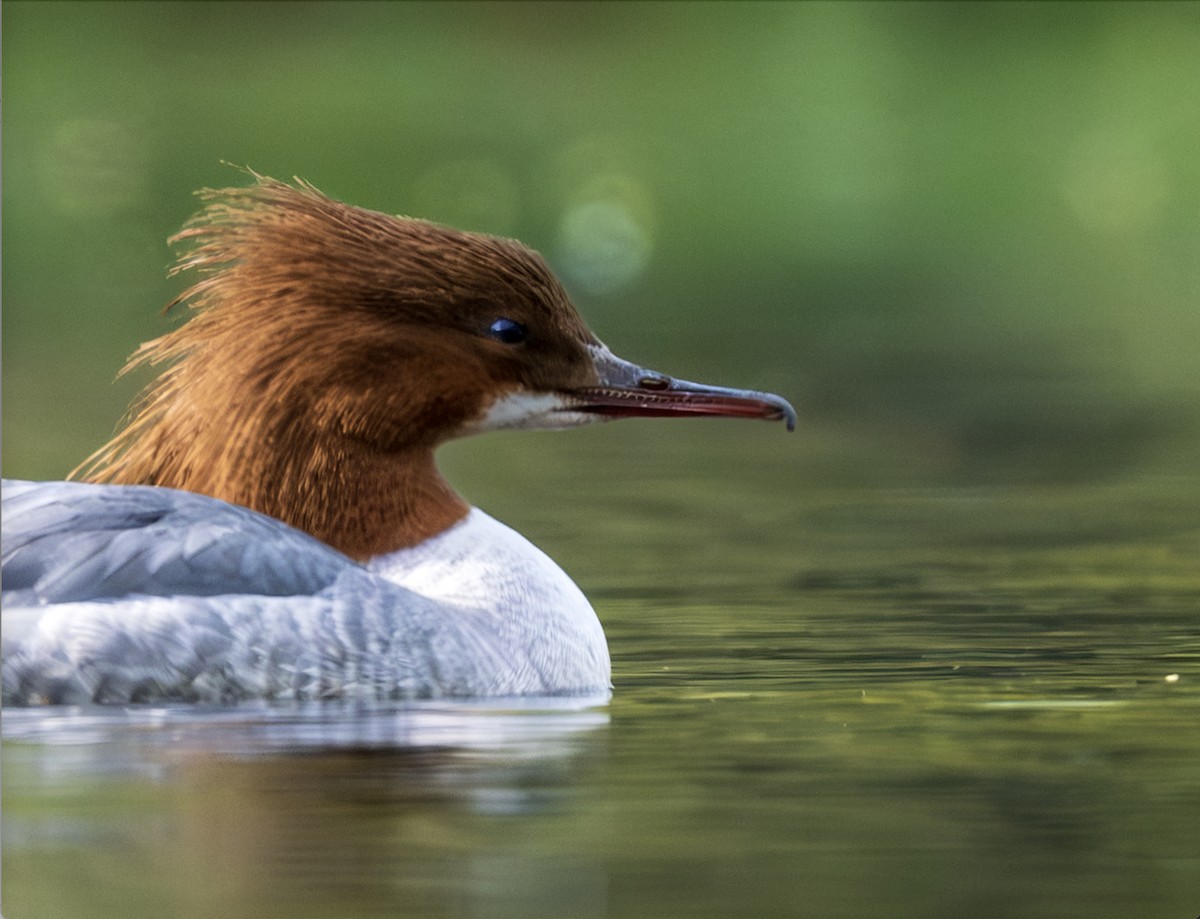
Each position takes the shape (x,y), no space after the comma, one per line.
(269,521)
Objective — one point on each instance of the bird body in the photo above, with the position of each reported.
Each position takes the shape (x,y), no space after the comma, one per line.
(270,521)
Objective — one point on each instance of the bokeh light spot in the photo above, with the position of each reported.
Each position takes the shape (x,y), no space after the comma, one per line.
(605,235)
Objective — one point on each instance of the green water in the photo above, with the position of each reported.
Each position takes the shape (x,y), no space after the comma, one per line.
(828,702)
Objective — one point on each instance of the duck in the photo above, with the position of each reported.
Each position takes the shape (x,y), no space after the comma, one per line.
(269,521)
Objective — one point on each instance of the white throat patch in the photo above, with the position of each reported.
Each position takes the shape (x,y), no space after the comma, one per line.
(531,412)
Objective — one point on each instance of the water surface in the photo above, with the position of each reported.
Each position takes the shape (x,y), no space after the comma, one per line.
(828,701)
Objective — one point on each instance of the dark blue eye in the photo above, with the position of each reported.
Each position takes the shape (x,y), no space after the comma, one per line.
(508,331)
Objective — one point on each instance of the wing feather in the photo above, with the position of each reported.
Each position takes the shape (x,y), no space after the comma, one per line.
(68,541)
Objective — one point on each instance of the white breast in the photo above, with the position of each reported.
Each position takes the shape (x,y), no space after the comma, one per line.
(484,567)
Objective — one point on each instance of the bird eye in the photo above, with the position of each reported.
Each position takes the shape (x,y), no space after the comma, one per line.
(508,331)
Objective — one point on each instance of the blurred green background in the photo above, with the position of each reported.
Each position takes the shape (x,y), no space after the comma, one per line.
(962,238)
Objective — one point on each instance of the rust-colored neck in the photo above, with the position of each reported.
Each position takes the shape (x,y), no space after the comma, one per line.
(361,502)
(393,503)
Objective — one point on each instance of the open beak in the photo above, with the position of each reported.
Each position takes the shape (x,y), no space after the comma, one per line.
(626,390)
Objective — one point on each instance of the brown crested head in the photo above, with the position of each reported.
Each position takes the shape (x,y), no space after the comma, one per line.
(388,329)
(329,350)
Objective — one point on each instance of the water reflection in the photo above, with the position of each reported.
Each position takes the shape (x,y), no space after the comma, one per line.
(502,757)
(525,728)
(304,805)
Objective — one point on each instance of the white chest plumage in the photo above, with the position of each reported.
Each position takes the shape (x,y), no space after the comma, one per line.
(482,567)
